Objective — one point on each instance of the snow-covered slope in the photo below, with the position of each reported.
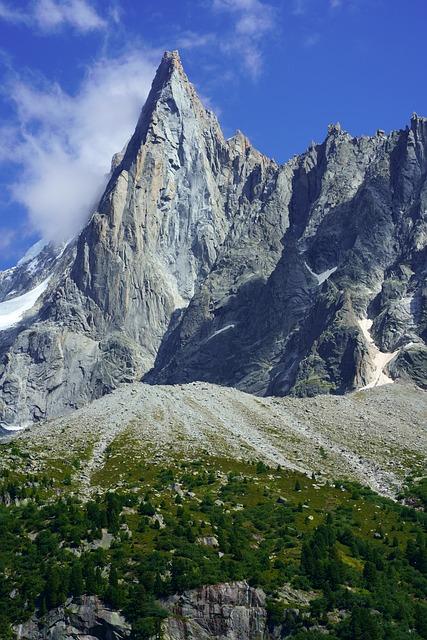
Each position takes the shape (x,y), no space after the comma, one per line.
(30,272)
(13,310)
(380,359)
(33,253)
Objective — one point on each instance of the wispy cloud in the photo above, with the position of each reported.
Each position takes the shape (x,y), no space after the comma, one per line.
(12,15)
(252,21)
(7,239)
(116,13)
(192,40)
(63,143)
(299,7)
(53,15)
(305,7)
(248,23)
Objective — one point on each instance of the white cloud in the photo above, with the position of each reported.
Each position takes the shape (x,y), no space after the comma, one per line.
(334,4)
(253,19)
(116,13)
(12,15)
(64,143)
(52,15)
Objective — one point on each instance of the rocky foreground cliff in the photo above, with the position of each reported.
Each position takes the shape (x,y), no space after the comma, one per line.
(206,260)
(229,611)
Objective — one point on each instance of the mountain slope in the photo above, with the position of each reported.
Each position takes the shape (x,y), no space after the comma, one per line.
(140,511)
(354,247)
(205,260)
(382,442)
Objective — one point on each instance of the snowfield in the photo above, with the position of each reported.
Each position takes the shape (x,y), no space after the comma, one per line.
(12,311)
(9,427)
(216,333)
(33,252)
(380,358)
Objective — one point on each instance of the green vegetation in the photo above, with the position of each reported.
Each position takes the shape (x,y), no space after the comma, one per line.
(361,559)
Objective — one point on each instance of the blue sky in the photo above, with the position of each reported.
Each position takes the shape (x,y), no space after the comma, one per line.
(74,75)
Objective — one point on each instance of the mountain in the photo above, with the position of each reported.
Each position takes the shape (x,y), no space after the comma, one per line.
(206,260)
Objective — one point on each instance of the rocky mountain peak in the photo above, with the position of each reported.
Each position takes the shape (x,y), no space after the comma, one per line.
(334,129)
(171,103)
(170,69)
(172,59)
(417,120)
(206,260)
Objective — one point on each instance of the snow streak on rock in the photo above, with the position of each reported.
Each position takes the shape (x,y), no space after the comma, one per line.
(379,358)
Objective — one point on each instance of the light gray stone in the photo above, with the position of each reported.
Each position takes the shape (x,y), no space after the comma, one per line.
(229,611)
(84,620)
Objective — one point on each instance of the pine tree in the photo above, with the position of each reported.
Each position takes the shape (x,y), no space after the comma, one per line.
(370,575)
(43,607)
(114,593)
(6,632)
(76,585)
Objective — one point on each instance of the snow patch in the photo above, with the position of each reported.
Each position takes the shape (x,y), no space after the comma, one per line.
(379,358)
(32,252)
(321,277)
(64,245)
(12,311)
(10,427)
(226,328)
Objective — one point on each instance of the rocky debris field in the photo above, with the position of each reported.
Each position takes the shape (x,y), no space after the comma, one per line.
(376,436)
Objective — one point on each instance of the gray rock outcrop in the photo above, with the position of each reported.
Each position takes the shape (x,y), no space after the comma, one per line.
(205,260)
(227,611)
(88,619)
(233,611)
(352,246)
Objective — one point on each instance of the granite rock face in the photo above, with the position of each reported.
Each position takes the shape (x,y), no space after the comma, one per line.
(352,245)
(230,611)
(87,619)
(226,611)
(205,260)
